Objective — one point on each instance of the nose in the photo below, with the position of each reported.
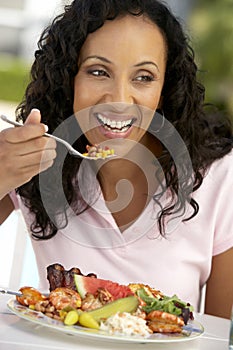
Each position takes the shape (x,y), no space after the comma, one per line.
(120,91)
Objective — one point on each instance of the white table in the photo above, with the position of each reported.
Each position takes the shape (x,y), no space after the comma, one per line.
(19,334)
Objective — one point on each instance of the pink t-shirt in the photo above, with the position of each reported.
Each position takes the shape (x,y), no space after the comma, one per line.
(178,264)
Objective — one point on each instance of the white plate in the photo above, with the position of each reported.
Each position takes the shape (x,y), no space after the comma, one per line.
(191,331)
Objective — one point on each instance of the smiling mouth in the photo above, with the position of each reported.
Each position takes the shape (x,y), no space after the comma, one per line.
(117,126)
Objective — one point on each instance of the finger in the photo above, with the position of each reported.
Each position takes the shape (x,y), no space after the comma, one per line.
(36,145)
(23,133)
(13,165)
(38,168)
(32,129)
(8,150)
(34,117)
(36,159)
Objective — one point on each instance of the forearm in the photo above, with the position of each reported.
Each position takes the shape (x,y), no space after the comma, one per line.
(6,208)
(219,291)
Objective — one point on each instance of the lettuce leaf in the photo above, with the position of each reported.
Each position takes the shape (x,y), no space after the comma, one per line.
(172,305)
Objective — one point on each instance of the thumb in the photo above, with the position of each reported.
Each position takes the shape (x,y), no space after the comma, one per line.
(34,117)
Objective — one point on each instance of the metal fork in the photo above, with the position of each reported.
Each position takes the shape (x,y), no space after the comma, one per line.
(5,291)
(11,292)
(70,149)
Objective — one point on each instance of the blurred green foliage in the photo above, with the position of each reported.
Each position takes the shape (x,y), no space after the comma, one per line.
(211,24)
(14,77)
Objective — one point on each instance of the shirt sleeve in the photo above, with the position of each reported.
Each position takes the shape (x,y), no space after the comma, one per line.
(14,197)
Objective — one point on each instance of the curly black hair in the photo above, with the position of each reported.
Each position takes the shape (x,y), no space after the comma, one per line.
(207,136)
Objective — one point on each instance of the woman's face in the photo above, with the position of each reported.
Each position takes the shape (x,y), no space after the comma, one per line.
(120,79)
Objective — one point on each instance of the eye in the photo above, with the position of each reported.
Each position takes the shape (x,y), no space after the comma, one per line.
(98,72)
(145,78)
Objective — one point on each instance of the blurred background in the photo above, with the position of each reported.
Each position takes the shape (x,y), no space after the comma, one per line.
(208,23)
(21,23)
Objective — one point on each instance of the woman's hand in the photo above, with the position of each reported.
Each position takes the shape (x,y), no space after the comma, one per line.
(24,153)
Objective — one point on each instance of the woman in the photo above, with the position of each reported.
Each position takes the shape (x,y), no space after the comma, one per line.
(157,212)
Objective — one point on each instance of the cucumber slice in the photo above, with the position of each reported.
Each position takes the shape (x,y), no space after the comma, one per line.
(127,304)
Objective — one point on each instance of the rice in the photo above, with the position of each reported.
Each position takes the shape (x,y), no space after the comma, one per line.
(125,324)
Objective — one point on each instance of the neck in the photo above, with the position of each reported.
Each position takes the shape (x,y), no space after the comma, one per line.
(128,184)
(137,166)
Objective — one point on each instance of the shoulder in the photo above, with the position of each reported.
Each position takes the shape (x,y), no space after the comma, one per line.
(225,160)
(221,168)
(217,181)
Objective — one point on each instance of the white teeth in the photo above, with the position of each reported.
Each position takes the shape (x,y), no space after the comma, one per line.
(116,130)
(118,126)
(112,124)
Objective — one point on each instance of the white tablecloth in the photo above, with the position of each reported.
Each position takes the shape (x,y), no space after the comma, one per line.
(19,334)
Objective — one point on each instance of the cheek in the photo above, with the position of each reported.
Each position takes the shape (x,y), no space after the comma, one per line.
(81,98)
(82,95)
(152,100)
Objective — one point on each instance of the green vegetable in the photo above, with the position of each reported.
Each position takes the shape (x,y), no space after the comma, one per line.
(71,317)
(87,320)
(127,304)
(172,305)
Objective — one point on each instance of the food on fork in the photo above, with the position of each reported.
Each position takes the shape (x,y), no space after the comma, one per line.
(133,309)
(30,296)
(97,151)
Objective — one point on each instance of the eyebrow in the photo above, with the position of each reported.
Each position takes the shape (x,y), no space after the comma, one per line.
(101,58)
(147,63)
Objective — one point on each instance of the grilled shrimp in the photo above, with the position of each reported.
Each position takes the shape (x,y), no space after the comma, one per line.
(164,322)
(62,297)
(30,296)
